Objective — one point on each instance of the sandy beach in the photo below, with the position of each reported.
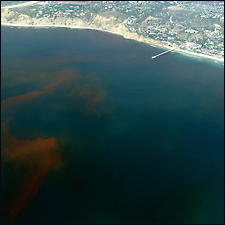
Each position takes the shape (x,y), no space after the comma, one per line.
(19,5)
(65,26)
(92,28)
(199,55)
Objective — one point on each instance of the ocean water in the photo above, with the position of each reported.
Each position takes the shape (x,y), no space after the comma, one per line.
(94,131)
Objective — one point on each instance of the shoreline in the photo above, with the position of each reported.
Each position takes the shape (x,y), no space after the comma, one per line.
(62,26)
(193,54)
(185,52)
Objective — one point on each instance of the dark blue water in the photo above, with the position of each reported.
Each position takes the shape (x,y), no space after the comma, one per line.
(137,140)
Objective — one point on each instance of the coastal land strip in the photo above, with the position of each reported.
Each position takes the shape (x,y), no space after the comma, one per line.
(126,35)
(19,5)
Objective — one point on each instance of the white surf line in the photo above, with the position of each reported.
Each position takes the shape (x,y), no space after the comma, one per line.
(65,26)
(199,55)
(92,28)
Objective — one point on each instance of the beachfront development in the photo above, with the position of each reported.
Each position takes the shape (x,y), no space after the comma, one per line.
(195,28)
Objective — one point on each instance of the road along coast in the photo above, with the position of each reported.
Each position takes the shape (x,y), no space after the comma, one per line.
(132,37)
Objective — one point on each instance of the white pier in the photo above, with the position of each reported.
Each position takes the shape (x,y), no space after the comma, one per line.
(153,57)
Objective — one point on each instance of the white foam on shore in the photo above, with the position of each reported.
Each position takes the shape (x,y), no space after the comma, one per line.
(65,26)
(199,55)
(92,28)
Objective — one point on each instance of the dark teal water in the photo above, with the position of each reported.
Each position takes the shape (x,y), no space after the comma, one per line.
(141,140)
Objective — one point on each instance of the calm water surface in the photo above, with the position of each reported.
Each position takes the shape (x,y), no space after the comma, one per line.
(95,131)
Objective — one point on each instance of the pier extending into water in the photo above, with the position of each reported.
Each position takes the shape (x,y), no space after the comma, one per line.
(153,57)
